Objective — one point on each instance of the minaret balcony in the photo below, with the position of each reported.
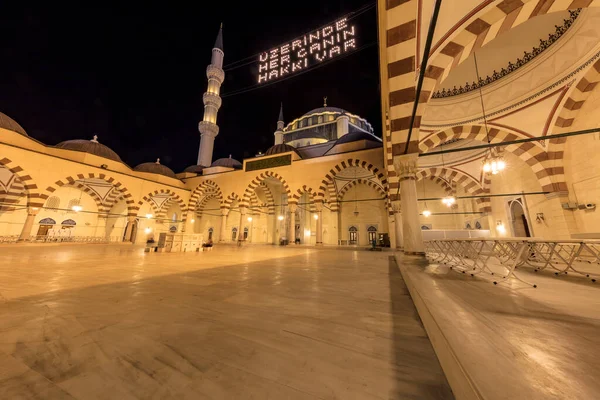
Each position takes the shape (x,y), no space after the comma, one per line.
(208,128)
(216,73)
(211,99)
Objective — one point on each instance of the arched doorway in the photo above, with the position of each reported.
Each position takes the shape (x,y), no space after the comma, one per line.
(520,225)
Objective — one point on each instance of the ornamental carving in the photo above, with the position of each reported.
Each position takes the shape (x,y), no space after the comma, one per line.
(406,166)
(212,100)
(527,57)
(215,73)
(208,128)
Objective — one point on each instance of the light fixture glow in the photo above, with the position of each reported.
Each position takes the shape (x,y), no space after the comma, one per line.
(192,220)
(500,227)
(148,216)
(493,164)
(449,201)
(316,216)
(148,230)
(77,208)
(426,213)
(249,219)
(280,218)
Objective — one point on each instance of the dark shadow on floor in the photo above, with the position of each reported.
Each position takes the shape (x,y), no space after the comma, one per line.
(410,341)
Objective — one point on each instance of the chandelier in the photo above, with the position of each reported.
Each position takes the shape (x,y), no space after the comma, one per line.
(492,163)
(449,200)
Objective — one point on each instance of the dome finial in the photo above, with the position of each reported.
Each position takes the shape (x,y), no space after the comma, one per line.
(325,101)
(158,161)
(95,139)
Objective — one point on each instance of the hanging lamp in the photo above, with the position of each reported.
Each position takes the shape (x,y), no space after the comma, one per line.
(492,162)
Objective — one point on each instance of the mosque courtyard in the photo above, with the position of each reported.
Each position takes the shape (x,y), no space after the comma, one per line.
(260,322)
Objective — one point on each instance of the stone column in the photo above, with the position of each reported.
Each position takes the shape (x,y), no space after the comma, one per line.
(101,226)
(241,226)
(292,235)
(28,225)
(319,208)
(398,224)
(406,167)
(222,233)
(129,228)
(271,228)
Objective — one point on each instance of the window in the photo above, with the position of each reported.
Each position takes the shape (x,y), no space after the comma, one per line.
(210,233)
(174,218)
(53,203)
(372,232)
(234,234)
(320,119)
(330,117)
(245,233)
(353,235)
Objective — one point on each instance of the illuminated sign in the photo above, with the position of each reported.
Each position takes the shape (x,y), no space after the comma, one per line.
(300,54)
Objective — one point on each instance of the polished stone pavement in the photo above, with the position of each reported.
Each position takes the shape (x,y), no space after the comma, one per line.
(262,322)
(511,341)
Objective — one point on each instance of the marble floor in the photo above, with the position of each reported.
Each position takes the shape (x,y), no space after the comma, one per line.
(263,322)
(512,341)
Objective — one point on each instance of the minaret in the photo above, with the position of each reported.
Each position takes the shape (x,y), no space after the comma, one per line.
(212,102)
(279,131)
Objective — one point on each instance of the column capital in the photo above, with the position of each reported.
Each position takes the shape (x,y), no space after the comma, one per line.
(318,205)
(224,211)
(397,206)
(33,211)
(131,218)
(293,207)
(406,166)
(243,210)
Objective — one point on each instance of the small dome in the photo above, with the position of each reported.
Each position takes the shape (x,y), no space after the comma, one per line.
(227,162)
(10,124)
(89,146)
(196,169)
(279,148)
(355,136)
(155,168)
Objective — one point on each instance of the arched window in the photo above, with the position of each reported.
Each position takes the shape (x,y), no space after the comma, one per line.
(53,203)
(245,233)
(72,203)
(372,232)
(353,235)
(233,234)
(330,117)
(320,119)
(210,233)
(174,218)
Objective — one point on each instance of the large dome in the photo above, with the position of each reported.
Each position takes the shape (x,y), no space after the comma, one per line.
(355,136)
(227,162)
(279,148)
(325,109)
(156,168)
(89,146)
(10,124)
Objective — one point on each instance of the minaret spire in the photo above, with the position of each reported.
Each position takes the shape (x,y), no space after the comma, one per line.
(212,102)
(280,123)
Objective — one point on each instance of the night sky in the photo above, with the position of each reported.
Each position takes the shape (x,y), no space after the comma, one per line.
(134,73)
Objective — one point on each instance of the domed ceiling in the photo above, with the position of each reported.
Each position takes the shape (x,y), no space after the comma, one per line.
(507,48)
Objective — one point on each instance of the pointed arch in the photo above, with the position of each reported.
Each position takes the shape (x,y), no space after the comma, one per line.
(532,153)
(361,181)
(270,204)
(468,183)
(205,187)
(160,211)
(71,180)
(312,194)
(31,189)
(261,178)
(230,199)
(202,203)
(351,162)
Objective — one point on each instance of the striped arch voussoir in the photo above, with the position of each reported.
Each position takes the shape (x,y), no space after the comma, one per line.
(256,182)
(34,198)
(117,185)
(351,162)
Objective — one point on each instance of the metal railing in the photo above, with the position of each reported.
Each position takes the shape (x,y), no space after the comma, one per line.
(499,258)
